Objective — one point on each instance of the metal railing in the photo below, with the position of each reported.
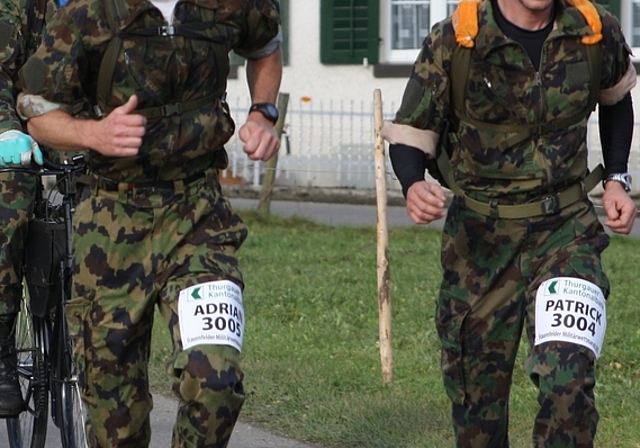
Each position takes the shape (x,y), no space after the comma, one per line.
(329,144)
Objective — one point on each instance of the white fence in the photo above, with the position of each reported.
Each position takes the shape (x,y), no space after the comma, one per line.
(330,144)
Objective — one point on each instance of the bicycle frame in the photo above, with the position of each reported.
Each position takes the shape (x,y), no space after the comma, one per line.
(47,274)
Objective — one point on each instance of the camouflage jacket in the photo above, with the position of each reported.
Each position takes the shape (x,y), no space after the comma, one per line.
(22,23)
(504,87)
(160,70)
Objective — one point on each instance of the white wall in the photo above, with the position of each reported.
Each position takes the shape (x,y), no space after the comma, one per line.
(306,77)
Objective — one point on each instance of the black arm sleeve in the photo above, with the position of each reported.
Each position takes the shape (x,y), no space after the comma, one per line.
(409,164)
(616,131)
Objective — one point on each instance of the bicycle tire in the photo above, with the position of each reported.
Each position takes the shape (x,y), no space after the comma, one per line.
(72,425)
(70,408)
(29,428)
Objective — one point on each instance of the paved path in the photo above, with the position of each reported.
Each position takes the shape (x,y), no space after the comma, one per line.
(331,214)
(162,417)
(248,435)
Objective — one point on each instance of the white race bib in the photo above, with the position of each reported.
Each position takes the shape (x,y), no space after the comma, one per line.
(571,310)
(212,313)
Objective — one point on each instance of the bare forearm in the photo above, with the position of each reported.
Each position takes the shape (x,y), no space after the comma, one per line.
(264,76)
(258,133)
(119,134)
(57,129)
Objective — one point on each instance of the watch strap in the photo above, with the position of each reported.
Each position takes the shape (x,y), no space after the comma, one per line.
(622,178)
(268,110)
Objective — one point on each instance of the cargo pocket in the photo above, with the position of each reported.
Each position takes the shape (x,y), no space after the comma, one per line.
(78,312)
(451,314)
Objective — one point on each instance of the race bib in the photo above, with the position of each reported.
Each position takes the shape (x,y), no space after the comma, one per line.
(212,313)
(571,310)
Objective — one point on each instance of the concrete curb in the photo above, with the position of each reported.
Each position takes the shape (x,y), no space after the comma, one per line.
(345,195)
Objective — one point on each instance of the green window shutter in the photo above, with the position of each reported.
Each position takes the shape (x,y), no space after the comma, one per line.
(612,5)
(284,16)
(349,31)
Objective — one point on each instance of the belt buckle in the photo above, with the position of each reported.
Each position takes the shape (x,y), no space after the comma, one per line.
(171,109)
(550,205)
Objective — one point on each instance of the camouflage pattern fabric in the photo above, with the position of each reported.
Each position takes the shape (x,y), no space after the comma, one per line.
(22,23)
(135,249)
(16,204)
(160,70)
(492,268)
(491,271)
(139,241)
(486,164)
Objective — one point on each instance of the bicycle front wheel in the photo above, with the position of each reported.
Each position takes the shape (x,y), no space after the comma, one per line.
(29,429)
(72,426)
(70,408)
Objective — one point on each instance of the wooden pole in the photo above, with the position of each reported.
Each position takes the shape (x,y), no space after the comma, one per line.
(264,205)
(384,297)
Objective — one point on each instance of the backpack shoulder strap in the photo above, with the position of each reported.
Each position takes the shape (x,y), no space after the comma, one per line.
(595,58)
(458,76)
(115,13)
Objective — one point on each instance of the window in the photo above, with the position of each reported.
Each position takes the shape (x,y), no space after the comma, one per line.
(628,13)
(388,31)
(630,22)
(349,31)
(405,24)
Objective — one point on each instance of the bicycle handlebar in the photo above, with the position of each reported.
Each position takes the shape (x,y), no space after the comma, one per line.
(49,167)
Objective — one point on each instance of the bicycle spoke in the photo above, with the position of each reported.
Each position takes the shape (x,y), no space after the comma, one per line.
(28,430)
(73,416)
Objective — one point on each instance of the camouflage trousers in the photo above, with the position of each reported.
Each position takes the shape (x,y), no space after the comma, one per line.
(17,191)
(135,248)
(491,271)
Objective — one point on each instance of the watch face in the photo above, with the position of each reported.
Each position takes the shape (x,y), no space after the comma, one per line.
(271,110)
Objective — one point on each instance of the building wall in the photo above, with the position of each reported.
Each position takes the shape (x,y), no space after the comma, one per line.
(306,77)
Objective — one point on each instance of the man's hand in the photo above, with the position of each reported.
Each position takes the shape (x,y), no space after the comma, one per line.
(120,133)
(620,208)
(425,202)
(259,137)
(17,148)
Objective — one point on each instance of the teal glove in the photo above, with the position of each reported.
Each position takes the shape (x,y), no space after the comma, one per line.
(17,148)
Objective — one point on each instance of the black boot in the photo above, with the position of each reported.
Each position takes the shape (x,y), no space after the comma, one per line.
(11,403)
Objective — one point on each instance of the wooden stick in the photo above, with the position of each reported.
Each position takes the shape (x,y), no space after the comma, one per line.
(384,297)
(264,205)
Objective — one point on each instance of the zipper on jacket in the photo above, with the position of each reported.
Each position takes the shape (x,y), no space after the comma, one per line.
(494,92)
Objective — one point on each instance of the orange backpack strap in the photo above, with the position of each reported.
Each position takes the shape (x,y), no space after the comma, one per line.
(590,13)
(465,22)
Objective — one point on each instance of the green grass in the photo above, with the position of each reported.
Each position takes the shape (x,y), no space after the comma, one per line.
(311,352)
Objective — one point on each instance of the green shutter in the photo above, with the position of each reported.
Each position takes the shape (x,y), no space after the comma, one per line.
(349,31)
(612,5)
(284,16)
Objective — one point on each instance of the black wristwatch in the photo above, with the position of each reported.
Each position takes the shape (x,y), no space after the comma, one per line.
(270,111)
(623,178)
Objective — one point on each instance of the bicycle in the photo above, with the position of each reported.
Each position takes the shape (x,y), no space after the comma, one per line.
(45,369)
